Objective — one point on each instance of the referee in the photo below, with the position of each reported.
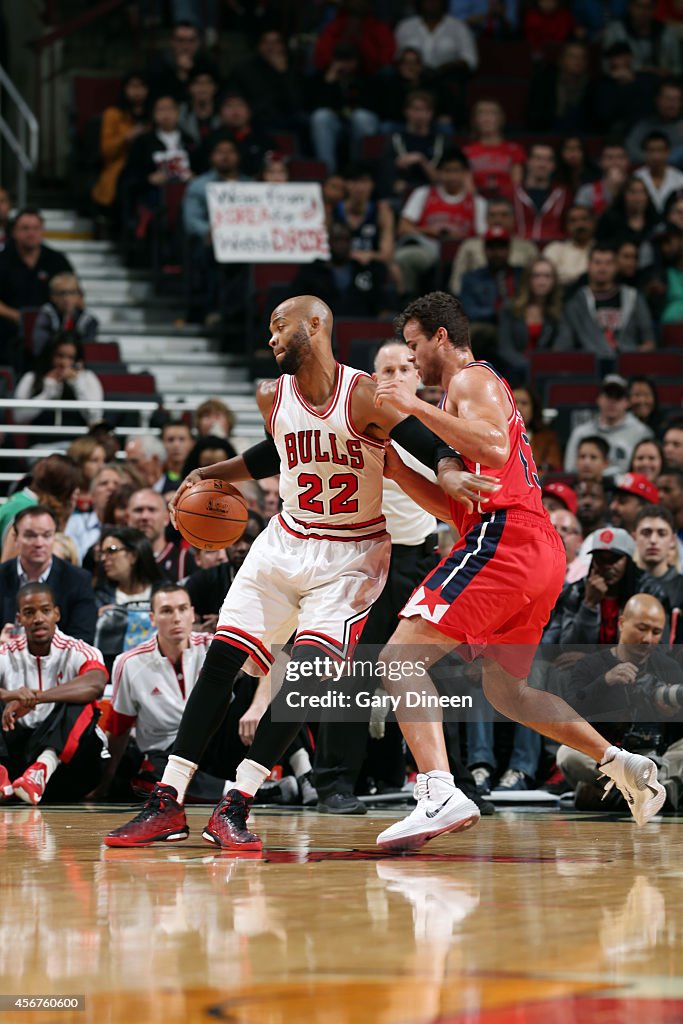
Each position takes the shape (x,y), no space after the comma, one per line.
(341,745)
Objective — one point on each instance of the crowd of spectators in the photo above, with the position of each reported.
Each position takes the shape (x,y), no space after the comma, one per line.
(560,228)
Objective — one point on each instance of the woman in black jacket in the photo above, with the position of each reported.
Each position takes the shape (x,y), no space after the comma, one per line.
(529,322)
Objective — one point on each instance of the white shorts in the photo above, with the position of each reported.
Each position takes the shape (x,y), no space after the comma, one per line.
(319,590)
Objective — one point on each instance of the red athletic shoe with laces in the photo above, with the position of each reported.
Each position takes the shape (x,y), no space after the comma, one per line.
(227,826)
(30,786)
(161,820)
(6,788)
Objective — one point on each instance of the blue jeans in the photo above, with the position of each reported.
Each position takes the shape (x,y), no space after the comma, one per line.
(327,128)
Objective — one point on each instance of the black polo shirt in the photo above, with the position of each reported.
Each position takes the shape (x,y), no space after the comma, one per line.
(23,287)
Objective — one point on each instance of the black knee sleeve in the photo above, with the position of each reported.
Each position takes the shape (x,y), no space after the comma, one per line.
(208,703)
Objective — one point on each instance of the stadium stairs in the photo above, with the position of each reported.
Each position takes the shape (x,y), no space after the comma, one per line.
(150,329)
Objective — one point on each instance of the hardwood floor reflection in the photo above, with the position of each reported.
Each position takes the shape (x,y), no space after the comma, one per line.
(531,918)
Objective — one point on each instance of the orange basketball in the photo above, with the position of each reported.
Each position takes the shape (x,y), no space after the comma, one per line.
(211,515)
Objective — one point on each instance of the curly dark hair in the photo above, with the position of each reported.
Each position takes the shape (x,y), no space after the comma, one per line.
(437,309)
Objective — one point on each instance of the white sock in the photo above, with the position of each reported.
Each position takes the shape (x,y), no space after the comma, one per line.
(609,755)
(51,761)
(300,762)
(250,775)
(178,773)
(228,786)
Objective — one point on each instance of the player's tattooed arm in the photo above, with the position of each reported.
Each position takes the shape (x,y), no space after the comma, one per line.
(256,463)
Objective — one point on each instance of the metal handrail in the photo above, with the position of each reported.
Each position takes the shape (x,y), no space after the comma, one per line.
(25,149)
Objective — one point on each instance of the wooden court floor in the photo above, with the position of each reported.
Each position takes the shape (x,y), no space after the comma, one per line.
(531,918)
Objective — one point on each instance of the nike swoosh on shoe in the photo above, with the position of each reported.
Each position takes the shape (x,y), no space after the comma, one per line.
(433,814)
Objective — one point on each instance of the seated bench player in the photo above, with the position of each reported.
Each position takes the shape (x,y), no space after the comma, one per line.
(50,743)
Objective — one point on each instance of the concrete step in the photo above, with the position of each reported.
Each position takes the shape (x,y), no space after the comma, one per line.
(67,221)
(103,267)
(115,291)
(90,246)
(113,315)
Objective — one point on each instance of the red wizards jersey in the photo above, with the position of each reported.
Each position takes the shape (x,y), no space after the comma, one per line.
(520,484)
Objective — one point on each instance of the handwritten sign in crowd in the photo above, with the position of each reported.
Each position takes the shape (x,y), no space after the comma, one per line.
(260,222)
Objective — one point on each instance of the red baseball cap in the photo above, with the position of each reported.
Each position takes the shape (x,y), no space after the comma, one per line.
(496,234)
(636,483)
(563,493)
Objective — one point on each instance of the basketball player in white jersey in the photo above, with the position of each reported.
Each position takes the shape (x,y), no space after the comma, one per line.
(315,571)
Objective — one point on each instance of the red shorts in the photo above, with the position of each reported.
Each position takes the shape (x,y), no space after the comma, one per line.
(496,589)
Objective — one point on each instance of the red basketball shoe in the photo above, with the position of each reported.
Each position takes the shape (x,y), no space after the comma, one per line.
(30,786)
(161,820)
(6,788)
(227,826)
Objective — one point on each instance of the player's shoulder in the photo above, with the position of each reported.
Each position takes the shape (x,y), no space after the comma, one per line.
(265,394)
(473,375)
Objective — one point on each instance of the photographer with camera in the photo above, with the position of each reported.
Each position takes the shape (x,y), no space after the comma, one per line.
(630,685)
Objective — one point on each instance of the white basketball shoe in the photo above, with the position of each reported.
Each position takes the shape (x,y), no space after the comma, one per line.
(635,776)
(441,807)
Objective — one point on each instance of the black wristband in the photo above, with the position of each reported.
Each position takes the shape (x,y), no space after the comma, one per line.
(444,451)
(262,459)
(417,439)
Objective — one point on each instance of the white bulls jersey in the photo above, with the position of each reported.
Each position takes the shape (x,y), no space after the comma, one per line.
(67,659)
(331,473)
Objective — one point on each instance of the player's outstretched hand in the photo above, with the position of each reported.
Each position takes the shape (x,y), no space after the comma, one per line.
(393,463)
(396,394)
(467,488)
(190,480)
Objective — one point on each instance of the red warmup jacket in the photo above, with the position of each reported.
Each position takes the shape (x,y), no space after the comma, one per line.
(542,225)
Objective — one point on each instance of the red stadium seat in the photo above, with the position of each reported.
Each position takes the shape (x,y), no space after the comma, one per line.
(268,276)
(651,364)
(574,394)
(102,352)
(348,330)
(563,364)
(138,384)
(504,57)
(28,322)
(672,335)
(307,170)
(285,143)
(92,95)
(372,147)
(670,394)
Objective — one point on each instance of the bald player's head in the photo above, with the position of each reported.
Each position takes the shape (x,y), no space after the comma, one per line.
(300,327)
(641,625)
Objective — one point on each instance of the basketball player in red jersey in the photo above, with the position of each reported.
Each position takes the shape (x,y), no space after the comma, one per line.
(496,589)
(315,571)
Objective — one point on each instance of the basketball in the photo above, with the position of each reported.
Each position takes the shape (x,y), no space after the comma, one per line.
(211,515)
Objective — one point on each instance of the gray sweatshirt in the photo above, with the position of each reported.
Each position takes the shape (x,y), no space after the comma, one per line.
(621,438)
(579,329)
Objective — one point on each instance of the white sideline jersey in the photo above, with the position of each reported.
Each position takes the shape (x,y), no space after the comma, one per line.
(67,659)
(408,524)
(148,689)
(331,474)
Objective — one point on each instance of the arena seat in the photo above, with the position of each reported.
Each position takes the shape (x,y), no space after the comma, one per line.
(307,170)
(651,364)
(573,394)
(562,364)
(124,385)
(672,336)
(670,395)
(93,94)
(28,322)
(510,57)
(372,147)
(269,276)
(285,143)
(353,330)
(102,352)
